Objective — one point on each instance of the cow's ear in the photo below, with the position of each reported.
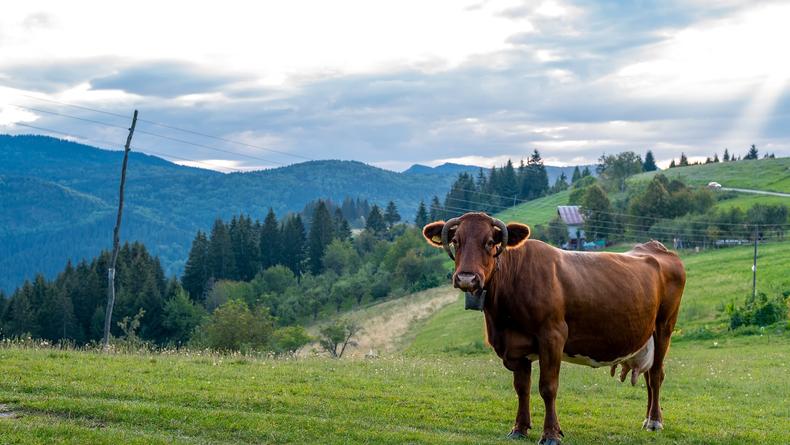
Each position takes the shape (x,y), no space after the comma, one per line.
(517,235)
(433,233)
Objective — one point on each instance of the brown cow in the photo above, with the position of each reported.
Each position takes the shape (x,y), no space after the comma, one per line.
(542,303)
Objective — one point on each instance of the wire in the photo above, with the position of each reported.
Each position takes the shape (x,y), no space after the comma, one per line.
(136,148)
(171,127)
(149,133)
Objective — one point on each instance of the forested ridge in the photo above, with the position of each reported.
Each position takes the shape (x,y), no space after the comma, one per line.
(247,283)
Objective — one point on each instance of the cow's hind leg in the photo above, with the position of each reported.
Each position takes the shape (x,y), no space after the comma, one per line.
(655,377)
(522,374)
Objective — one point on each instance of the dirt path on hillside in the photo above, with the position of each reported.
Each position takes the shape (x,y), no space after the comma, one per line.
(384,325)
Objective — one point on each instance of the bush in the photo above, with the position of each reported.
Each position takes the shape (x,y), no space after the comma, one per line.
(289,339)
(757,311)
(233,327)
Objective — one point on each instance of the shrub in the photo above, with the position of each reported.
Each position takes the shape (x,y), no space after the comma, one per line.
(757,311)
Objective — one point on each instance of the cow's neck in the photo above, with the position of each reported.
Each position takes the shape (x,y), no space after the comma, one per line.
(502,281)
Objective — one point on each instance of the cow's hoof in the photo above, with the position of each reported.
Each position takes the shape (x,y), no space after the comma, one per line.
(547,441)
(516,434)
(652,425)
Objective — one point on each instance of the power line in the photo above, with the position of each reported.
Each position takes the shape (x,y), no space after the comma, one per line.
(135,147)
(172,127)
(149,133)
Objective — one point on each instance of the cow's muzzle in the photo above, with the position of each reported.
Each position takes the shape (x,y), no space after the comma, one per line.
(468,282)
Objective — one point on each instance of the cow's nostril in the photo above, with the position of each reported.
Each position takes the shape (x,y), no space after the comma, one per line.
(465,280)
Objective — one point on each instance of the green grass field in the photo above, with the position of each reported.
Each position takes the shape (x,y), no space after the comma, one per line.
(734,392)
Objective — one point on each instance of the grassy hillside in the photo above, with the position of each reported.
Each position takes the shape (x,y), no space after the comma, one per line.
(537,211)
(49,396)
(714,278)
(763,174)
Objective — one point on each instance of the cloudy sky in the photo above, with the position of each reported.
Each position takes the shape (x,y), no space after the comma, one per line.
(396,83)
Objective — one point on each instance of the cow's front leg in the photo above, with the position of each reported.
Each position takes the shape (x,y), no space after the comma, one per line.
(522,374)
(551,346)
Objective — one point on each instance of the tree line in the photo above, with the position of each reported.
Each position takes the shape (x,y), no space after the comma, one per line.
(248,285)
(494,189)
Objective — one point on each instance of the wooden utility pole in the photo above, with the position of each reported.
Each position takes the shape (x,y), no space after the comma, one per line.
(116,239)
(754,265)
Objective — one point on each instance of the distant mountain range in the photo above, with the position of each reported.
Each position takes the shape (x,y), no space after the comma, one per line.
(58,199)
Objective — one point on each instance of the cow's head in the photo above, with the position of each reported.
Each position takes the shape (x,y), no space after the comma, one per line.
(474,240)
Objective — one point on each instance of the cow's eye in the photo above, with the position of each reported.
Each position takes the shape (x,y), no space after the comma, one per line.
(489,243)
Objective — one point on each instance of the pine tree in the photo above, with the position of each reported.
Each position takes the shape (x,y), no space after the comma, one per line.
(421,219)
(726,156)
(246,247)
(197,272)
(508,184)
(650,162)
(391,215)
(586,172)
(342,229)
(222,262)
(436,212)
(321,234)
(536,181)
(683,160)
(294,244)
(560,184)
(715,157)
(752,154)
(269,241)
(461,196)
(375,222)
(577,174)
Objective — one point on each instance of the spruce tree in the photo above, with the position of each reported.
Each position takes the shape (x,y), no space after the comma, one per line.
(197,271)
(342,229)
(508,185)
(321,234)
(726,156)
(650,162)
(715,157)
(684,161)
(222,262)
(294,239)
(375,222)
(752,154)
(269,241)
(577,174)
(391,215)
(421,219)
(436,212)
(586,172)
(246,248)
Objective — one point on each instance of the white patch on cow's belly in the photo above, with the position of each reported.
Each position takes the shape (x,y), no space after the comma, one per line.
(642,359)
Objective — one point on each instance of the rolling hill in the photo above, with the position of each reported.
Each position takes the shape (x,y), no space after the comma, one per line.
(58,200)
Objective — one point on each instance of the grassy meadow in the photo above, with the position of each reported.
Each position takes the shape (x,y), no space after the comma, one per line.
(730,392)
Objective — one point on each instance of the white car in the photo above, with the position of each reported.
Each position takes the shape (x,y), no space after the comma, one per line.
(714,185)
